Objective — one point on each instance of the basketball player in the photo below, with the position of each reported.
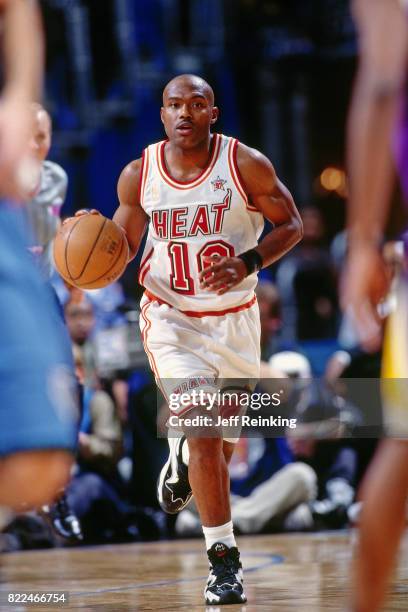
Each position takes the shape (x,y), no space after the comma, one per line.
(37,406)
(204,197)
(378,115)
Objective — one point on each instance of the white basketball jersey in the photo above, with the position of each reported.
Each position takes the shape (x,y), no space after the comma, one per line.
(191,220)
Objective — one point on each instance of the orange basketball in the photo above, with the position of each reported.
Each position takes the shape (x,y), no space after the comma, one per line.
(90,251)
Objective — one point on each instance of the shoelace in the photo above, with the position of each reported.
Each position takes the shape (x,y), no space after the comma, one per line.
(224,571)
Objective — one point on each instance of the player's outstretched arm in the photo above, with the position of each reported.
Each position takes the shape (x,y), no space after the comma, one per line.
(22,52)
(266,192)
(381,78)
(373,114)
(130,215)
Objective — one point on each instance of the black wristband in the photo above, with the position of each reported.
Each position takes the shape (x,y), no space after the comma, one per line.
(252,260)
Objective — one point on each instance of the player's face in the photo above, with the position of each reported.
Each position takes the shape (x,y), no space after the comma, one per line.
(41,137)
(187,115)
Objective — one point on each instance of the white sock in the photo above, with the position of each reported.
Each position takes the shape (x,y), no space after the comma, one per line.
(221,533)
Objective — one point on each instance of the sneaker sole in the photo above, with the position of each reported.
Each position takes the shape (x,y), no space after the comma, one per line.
(160,483)
(229,598)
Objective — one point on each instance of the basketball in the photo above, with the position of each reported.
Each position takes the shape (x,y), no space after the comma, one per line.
(90,251)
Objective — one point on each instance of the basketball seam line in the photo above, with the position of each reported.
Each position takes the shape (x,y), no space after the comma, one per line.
(91,250)
(66,248)
(124,242)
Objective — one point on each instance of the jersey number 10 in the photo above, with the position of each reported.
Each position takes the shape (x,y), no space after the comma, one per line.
(180,277)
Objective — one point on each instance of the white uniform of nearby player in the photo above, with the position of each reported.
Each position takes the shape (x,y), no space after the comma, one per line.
(189,332)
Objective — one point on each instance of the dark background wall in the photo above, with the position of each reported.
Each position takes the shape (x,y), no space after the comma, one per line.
(282,72)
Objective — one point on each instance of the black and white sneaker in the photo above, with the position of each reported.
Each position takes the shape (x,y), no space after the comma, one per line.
(225,582)
(63,520)
(173,487)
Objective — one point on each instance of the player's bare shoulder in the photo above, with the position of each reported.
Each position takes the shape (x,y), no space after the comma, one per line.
(130,215)
(257,172)
(129,182)
(266,192)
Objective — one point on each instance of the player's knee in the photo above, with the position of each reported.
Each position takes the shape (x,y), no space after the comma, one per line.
(33,478)
(304,479)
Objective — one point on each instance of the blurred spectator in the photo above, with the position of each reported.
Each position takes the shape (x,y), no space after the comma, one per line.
(272,486)
(338,250)
(48,195)
(313,490)
(335,465)
(97,493)
(292,364)
(144,404)
(307,284)
(94,492)
(80,320)
(106,302)
(356,374)
(270,310)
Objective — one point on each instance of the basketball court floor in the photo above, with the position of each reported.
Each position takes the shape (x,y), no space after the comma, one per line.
(283,573)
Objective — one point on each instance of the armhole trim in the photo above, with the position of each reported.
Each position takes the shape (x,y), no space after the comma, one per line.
(143,175)
(236,175)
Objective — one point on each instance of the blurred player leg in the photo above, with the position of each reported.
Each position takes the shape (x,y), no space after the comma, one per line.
(381,524)
(375,120)
(38,402)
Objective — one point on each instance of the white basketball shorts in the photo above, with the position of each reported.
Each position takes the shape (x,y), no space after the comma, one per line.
(201,350)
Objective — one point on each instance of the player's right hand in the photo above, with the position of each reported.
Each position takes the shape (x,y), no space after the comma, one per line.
(220,274)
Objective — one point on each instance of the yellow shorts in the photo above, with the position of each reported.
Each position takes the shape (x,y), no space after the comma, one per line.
(394,384)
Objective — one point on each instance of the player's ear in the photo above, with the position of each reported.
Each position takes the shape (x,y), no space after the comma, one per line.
(214,114)
(161,114)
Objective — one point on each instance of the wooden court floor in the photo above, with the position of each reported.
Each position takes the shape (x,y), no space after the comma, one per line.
(302,573)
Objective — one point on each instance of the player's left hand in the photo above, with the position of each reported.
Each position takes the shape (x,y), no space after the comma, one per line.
(221,273)
(364,284)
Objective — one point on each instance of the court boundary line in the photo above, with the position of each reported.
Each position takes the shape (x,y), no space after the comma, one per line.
(273,560)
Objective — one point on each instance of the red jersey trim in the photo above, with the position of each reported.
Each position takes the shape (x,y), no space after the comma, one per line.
(149,354)
(143,276)
(145,331)
(142,273)
(187,408)
(236,175)
(161,164)
(142,168)
(145,170)
(203,313)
